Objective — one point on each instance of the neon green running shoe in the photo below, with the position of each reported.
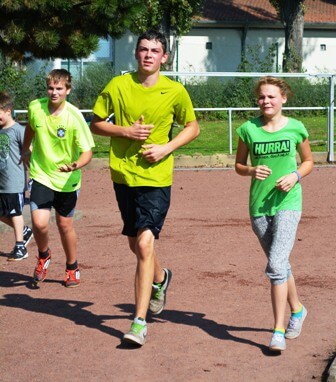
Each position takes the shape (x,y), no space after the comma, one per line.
(159,294)
(137,334)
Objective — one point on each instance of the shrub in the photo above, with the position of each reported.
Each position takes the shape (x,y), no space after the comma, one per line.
(87,88)
(209,92)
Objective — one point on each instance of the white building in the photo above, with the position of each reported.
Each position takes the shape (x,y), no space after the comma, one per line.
(230,27)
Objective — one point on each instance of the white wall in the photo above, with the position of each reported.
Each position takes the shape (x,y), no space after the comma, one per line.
(192,55)
(316,60)
(124,49)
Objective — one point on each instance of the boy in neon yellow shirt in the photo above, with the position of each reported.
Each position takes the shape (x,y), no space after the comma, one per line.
(144,104)
(61,145)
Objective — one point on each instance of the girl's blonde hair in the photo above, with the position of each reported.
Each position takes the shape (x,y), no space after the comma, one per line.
(285,89)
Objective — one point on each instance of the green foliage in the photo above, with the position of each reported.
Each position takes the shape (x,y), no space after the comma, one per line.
(236,92)
(215,92)
(254,62)
(283,6)
(25,86)
(172,17)
(87,88)
(22,85)
(309,93)
(177,15)
(63,28)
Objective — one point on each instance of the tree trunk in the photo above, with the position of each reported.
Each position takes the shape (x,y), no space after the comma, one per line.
(292,16)
(171,46)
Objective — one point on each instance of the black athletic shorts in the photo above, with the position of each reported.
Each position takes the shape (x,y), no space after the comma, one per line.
(11,204)
(142,207)
(43,197)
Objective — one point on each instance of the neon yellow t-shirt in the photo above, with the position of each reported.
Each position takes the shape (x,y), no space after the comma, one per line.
(58,140)
(160,104)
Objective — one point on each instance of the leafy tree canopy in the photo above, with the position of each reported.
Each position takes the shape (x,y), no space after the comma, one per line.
(61,28)
(172,17)
(287,9)
(175,16)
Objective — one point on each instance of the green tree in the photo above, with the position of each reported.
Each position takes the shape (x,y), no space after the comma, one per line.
(173,17)
(291,13)
(61,28)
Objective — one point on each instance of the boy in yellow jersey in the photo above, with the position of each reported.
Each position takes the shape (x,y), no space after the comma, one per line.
(145,104)
(61,146)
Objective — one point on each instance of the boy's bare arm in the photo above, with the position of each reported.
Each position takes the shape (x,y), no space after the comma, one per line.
(188,134)
(82,161)
(154,153)
(27,140)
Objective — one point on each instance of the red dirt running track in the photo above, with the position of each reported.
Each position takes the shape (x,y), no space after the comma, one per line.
(218,319)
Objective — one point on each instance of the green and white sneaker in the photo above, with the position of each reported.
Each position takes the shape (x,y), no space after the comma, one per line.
(159,294)
(138,332)
(295,325)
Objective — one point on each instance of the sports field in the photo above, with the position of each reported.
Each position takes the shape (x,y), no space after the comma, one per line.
(218,319)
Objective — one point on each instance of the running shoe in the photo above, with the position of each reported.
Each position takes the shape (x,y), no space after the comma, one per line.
(27,235)
(159,294)
(137,334)
(18,253)
(40,271)
(278,342)
(295,325)
(72,278)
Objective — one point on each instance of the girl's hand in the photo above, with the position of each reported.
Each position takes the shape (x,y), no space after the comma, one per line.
(286,182)
(261,172)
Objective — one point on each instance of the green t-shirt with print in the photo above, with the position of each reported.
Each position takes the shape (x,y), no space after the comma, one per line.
(58,140)
(162,104)
(277,150)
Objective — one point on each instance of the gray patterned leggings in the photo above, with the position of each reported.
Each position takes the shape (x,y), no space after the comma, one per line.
(276,235)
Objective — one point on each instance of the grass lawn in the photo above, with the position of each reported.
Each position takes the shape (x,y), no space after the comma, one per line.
(214,137)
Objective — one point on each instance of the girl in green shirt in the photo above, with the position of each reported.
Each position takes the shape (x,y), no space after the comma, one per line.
(272,141)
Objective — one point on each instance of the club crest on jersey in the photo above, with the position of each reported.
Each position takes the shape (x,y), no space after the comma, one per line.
(61,132)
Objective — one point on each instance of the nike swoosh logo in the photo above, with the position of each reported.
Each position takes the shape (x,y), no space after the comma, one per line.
(164,92)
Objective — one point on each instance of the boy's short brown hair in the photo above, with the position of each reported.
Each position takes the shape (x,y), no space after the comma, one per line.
(58,75)
(153,34)
(6,101)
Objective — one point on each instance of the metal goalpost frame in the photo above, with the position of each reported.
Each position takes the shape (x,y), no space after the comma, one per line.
(331,115)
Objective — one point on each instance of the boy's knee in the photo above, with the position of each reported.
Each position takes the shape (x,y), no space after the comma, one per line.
(40,226)
(144,248)
(64,227)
